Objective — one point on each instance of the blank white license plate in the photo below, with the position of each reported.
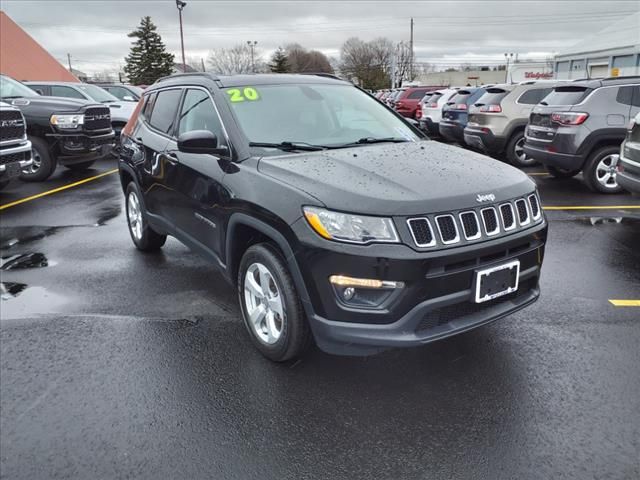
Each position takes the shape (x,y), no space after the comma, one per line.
(497,281)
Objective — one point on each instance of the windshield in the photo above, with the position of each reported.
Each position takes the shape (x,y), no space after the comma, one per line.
(321,115)
(12,88)
(97,94)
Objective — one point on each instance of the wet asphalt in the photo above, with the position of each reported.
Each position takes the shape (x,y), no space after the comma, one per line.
(117,364)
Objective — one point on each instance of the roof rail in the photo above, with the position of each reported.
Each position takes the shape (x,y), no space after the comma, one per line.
(324,74)
(623,77)
(190,74)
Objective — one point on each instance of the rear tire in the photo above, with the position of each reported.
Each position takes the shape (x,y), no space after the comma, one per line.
(270,304)
(599,171)
(44,163)
(561,173)
(515,151)
(79,167)
(143,236)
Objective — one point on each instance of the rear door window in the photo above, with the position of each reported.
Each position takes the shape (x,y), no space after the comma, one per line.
(163,116)
(569,95)
(534,96)
(493,96)
(625,95)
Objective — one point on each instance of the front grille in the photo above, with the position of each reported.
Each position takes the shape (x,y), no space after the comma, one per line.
(475,225)
(470,225)
(490,219)
(508,218)
(14,157)
(97,118)
(535,207)
(421,231)
(447,228)
(12,125)
(523,213)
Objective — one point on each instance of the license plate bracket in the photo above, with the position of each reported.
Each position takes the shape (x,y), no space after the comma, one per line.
(12,170)
(494,282)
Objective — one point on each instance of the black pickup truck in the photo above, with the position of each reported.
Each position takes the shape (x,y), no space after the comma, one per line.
(74,133)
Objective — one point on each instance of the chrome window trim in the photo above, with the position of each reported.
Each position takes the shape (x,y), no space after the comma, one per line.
(476,236)
(455,226)
(484,223)
(526,207)
(433,237)
(515,223)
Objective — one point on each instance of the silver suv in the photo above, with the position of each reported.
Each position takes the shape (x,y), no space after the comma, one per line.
(499,117)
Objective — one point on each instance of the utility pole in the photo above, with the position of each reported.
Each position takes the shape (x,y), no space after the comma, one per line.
(180,5)
(69,60)
(252,46)
(202,62)
(411,47)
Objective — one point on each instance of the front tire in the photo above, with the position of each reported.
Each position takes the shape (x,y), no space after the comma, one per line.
(143,236)
(515,151)
(270,305)
(79,167)
(44,163)
(600,170)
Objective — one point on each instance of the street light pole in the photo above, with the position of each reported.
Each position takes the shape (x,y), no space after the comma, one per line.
(252,45)
(506,72)
(180,4)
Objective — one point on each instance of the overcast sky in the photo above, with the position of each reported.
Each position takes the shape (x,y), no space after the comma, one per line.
(445,32)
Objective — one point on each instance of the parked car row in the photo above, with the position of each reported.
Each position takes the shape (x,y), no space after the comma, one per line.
(568,126)
(44,124)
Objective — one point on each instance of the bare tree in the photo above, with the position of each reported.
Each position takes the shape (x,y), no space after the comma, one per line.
(367,63)
(404,60)
(231,61)
(301,60)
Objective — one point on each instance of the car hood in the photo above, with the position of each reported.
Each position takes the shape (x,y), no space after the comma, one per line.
(56,104)
(398,179)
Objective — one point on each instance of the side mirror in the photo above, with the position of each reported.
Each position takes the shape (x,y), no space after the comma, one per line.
(128,98)
(201,141)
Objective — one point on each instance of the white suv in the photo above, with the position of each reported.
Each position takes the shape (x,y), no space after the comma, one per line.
(431,106)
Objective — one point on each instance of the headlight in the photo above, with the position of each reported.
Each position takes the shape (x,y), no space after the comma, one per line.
(348,227)
(67,121)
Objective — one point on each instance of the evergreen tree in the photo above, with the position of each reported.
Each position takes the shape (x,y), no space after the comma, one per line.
(148,59)
(279,62)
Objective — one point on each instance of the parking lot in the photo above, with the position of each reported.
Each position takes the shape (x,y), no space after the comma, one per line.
(122,364)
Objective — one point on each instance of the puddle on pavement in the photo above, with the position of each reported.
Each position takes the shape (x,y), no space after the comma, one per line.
(106,214)
(24,260)
(20,300)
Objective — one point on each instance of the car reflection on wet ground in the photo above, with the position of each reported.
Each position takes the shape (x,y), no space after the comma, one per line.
(120,364)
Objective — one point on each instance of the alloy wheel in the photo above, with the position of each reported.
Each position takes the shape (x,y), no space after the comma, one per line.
(35,165)
(518,150)
(263,303)
(606,171)
(134,214)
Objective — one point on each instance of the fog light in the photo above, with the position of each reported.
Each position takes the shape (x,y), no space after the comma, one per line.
(348,293)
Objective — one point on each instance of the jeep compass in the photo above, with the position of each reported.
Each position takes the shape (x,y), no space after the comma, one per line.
(331,215)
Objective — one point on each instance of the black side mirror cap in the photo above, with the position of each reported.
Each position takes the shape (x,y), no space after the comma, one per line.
(201,141)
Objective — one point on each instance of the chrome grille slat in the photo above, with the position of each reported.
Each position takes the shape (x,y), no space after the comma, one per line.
(535,206)
(523,212)
(490,218)
(508,217)
(421,232)
(472,219)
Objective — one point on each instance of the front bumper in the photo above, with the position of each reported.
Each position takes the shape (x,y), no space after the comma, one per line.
(429,126)
(435,302)
(14,159)
(81,147)
(484,139)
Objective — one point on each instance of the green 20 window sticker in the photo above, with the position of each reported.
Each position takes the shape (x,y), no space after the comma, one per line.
(240,95)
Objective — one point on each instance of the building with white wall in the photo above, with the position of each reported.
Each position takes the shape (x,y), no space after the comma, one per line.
(611,52)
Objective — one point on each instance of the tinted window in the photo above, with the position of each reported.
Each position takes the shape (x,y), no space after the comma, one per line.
(96,93)
(492,96)
(118,92)
(198,113)
(460,97)
(636,96)
(625,95)
(566,95)
(163,115)
(149,101)
(533,97)
(60,91)
(417,95)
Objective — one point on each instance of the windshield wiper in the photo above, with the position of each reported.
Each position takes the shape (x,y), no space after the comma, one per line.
(370,140)
(289,146)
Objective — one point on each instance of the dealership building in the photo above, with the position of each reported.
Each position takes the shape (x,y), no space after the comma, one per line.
(612,52)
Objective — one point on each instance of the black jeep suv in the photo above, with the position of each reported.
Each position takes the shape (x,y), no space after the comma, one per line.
(329,212)
(74,133)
